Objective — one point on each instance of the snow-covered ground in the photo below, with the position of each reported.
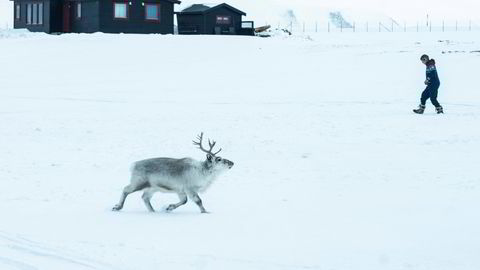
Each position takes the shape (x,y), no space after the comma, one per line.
(332,170)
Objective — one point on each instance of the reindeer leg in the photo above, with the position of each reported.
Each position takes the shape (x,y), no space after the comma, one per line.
(147,195)
(183,200)
(126,191)
(194,196)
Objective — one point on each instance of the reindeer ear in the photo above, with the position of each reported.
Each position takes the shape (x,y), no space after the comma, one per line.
(209,157)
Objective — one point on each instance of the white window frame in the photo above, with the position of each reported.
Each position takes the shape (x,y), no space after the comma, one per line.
(29,14)
(115,4)
(157,6)
(40,13)
(224,20)
(34,13)
(17,11)
(79,11)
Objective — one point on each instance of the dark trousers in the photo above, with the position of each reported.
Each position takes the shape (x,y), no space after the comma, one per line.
(431,92)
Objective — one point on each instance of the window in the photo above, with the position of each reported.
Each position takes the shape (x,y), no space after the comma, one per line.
(120,10)
(17,12)
(40,13)
(223,19)
(248,25)
(35,13)
(152,12)
(79,10)
(29,13)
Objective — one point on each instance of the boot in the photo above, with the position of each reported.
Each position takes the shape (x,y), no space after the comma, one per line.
(439,109)
(420,110)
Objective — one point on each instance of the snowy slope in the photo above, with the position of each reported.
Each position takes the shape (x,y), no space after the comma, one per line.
(332,169)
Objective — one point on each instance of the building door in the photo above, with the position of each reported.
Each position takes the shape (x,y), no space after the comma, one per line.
(66,17)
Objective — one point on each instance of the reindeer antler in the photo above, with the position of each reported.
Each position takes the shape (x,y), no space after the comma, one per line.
(210,143)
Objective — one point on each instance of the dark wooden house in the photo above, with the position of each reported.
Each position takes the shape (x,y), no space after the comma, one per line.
(88,16)
(219,19)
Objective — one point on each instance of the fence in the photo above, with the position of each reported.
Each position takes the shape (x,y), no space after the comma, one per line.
(392,26)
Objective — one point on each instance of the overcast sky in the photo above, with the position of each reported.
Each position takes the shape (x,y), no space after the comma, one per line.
(312,10)
(409,10)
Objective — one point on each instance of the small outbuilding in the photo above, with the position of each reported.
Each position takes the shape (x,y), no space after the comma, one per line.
(213,19)
(88,16)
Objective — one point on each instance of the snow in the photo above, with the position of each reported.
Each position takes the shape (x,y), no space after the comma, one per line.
(332,168)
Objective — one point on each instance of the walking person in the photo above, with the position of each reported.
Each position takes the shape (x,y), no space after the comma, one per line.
(433,83)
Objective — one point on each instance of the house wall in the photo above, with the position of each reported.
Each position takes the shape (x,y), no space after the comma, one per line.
(22,22)
(211,19)
(56,16)
(136,22)
(206,23)
(191,24)
(97,15)
(89,21)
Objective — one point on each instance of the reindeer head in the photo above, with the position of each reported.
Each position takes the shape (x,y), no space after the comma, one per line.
(214,161)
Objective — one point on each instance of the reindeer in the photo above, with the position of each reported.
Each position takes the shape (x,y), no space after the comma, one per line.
(186,177)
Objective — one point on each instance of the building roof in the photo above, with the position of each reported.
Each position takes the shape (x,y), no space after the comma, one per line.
(204,8)
(174,1)
(171,1)
(197,8)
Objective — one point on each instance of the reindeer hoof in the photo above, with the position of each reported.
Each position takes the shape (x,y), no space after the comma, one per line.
(117,208)
(171,207)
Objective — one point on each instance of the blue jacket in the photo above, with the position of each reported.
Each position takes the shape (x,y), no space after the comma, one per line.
(432,75)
